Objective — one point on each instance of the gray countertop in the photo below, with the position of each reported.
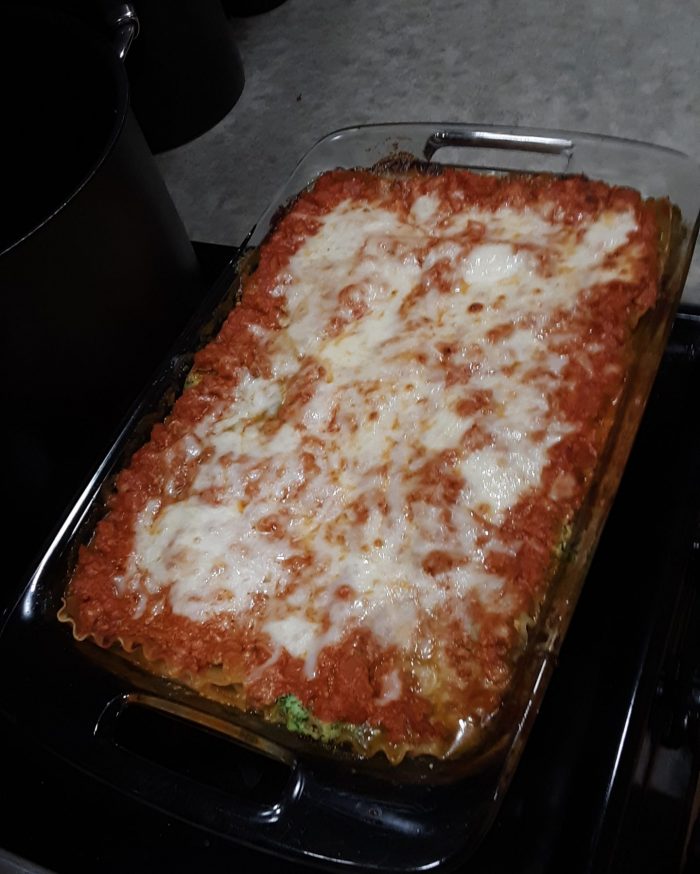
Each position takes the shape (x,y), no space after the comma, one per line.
(605,66)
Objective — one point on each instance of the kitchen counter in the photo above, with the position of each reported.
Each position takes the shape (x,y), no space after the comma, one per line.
(628,68)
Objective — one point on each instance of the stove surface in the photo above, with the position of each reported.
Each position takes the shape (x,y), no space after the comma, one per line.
(610,772)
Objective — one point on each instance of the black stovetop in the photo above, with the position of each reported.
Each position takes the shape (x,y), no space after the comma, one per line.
(610,771)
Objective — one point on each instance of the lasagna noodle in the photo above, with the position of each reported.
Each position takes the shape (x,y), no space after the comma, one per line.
(354,509)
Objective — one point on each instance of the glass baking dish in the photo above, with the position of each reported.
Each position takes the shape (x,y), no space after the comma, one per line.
(378,816)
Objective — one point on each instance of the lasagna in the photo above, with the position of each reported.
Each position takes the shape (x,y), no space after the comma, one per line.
(350,518)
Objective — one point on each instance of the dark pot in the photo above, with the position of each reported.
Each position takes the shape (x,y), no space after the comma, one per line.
(96,271)
(185,70)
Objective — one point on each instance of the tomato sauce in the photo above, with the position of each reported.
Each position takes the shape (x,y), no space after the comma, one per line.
(351,678)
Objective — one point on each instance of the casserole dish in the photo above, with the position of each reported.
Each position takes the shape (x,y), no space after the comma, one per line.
(459,797)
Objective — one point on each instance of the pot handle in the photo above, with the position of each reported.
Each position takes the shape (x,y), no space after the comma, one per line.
(124,22)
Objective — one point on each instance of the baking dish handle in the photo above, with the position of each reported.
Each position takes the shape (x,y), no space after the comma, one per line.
(489,139)
(299,814)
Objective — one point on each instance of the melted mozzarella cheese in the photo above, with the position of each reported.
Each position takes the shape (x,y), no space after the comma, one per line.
(326,521)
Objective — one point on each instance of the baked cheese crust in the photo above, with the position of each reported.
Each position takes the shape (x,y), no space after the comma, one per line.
(357,503)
